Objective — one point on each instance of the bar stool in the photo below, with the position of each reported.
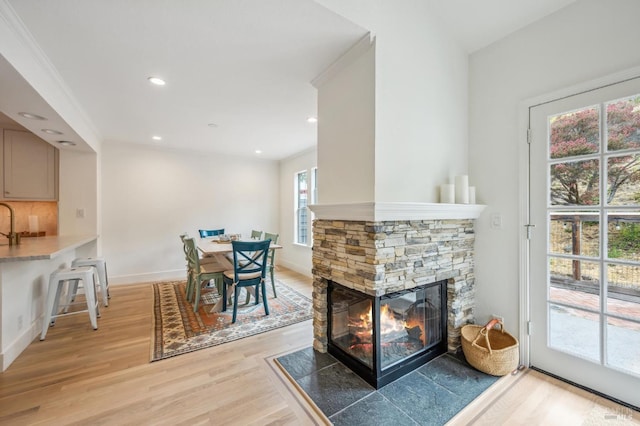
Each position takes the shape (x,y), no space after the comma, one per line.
(101,265)
(57,281)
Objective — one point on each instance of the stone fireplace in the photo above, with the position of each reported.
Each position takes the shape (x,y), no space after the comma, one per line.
(379,250)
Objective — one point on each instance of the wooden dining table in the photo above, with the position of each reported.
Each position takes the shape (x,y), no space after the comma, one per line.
(220,249)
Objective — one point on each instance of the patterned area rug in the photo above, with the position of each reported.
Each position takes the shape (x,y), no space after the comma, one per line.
(178,330)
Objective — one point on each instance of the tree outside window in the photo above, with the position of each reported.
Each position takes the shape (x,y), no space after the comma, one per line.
(579,159)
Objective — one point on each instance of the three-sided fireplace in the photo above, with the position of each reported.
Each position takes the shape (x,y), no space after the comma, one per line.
(382,338)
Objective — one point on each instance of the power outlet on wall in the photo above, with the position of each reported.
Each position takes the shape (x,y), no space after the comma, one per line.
(20,322)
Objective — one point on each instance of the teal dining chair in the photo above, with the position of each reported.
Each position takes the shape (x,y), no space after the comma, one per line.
(272,260)
(249,270)
(204,233)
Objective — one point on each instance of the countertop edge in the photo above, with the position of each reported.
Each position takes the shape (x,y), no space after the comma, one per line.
(39,248)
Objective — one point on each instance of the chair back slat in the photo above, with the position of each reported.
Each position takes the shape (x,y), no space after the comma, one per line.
(274,240)
(192,254)
(204,233)
(250,257)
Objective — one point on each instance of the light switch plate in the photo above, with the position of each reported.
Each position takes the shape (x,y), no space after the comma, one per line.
(496,221)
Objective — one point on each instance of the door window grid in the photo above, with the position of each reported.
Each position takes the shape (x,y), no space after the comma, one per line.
(583,157)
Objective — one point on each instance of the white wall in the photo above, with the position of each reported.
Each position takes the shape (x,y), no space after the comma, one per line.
(151,195)
(293,256)
(346,132)
(587,40)
(421,104)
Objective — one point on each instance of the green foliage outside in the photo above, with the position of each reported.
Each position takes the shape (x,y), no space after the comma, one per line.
(625,242)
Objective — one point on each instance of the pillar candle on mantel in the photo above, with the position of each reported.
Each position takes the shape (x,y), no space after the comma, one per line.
(447,193)
(462,189)
(472,195)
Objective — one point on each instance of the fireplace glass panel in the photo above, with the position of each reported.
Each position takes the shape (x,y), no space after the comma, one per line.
(351,324)
(409,323)
(406,323)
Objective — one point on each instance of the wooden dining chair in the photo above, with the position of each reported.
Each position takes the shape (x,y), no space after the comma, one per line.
(202,261)
(256,235)
(272,260)
(201,274)
(186,258)
(204,233)
(249,270)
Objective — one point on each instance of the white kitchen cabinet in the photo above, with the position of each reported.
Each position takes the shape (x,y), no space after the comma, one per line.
(30,167)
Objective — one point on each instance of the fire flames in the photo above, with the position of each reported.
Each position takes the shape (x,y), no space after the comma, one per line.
(362,326)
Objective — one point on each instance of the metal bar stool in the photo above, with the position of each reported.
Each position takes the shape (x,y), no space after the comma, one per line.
(101,265)
(57,281)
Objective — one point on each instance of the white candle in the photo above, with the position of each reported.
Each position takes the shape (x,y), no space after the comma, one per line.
(462,189)
(33,224)
(472,195)
(447,193)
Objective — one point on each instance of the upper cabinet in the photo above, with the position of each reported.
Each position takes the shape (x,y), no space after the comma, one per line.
(30,167)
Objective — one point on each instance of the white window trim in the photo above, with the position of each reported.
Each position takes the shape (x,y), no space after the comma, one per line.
(296,208)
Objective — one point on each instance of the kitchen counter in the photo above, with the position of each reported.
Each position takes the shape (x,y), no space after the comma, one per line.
(24,283)
(37,248)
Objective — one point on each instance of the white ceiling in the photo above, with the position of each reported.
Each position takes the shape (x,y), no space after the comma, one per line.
(478,23)
(243,65)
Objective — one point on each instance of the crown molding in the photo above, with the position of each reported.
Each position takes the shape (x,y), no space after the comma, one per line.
(379,212)
(21,50)
(346,59)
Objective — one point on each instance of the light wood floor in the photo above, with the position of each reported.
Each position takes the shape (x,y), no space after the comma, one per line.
(81,376)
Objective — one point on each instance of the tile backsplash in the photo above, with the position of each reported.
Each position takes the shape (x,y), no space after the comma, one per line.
(45,211)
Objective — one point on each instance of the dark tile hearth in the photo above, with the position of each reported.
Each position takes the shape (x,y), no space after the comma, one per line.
(430,395)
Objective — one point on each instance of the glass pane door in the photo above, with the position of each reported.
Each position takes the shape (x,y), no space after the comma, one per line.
(585,266)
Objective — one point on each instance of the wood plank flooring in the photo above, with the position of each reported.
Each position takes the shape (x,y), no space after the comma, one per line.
(86,377)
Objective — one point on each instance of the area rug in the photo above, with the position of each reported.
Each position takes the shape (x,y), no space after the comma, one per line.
(178,330)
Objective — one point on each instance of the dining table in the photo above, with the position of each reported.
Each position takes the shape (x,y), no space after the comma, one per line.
(221,249)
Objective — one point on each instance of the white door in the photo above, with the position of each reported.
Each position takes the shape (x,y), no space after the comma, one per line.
(585,247)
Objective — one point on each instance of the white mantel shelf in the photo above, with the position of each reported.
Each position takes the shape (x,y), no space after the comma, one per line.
(379,212)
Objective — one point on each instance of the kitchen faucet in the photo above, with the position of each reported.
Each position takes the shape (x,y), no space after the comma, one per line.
(12,236)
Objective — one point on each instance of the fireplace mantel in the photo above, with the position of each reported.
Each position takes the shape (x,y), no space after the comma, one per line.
(378,212)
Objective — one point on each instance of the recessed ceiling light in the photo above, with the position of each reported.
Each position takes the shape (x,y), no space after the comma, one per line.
(157,81)
(52,132)
(156,138)
(312,120)
(67,143)
(212,125)
(258,151)
(31,116)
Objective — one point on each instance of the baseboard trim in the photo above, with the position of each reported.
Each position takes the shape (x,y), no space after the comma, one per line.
(176,274)
(20,344)
(304,270)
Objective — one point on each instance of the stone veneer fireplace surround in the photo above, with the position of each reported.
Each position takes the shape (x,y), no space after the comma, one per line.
(381,248)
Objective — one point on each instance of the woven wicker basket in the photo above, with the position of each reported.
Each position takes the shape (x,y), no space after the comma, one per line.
(489,350)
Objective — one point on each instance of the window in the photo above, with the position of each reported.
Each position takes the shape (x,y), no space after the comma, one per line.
(314,185)
(302,211)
